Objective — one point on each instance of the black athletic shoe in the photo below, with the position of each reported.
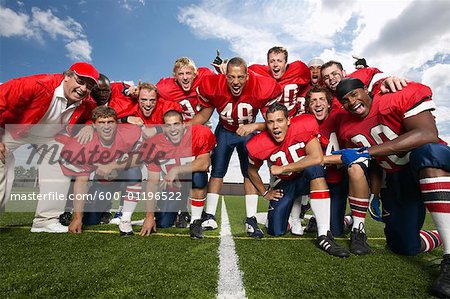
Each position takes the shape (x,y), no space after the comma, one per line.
(106,218)
(196,230)
(65,218)
(358,241)
(329,245)
(311,227)
(252,228)
(304,209)
(441,286)
(183,220)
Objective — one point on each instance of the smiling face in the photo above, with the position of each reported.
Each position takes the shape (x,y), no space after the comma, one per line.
(184,76)
(77,88)
(331,76)
(319,105)
(277,65)
(237,77)
(147,101)
(174,128)
(106,128)
(277,125)
(357,102)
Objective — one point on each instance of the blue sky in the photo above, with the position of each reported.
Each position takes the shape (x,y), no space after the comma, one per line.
(140,39)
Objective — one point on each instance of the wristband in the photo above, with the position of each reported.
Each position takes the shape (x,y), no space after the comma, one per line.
(265,193)
(158,129)
(124,119)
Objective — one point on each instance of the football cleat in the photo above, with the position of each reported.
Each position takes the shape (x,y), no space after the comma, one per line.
(296,227)
(311,227)
(358,241)
(208,221)
(252,228)
(305,208)
(106,218)
(51,228)
(183,220)
(329,245)
(441,286)
(116,218)
(375,208)
(348,223)
(196,230)
(125,228)
(65,218)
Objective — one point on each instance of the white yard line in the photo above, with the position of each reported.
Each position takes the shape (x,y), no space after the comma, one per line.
(230,283)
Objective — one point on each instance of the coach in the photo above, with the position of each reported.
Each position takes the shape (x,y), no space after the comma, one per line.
(40,106)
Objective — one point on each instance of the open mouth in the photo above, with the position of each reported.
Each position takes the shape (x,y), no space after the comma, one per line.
(357,109)
(236,89)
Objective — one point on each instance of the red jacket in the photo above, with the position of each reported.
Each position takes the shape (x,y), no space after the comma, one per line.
(25,101)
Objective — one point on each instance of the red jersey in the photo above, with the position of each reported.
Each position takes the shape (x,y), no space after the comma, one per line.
(122,103)
(157,116)
(293,83)
(78,160)
(329,140)
(385,121)
(303,129)
(169,90)
(258,92)
(160,154)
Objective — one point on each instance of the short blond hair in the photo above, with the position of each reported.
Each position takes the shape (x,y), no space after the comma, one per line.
(184,61)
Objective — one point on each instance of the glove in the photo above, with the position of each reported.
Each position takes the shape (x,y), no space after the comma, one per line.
(353,155)
(360,62)
(375,208)
(217,61)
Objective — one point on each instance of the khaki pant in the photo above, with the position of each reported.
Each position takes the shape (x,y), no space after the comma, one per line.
(51,178)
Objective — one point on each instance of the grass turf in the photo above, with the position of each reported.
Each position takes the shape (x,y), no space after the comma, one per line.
(170,265)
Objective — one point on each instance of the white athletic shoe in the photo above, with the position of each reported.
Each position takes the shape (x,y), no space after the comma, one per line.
(296,227)
(51,228)
(125,228)
(116,218)
(209,222)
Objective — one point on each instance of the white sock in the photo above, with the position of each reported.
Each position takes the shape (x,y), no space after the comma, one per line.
(320,205)
(251,204)
(212,200)
(296,208)
(128,209)
(197,208)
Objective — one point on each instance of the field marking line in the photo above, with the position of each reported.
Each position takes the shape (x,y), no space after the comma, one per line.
(114,232)
(230,283)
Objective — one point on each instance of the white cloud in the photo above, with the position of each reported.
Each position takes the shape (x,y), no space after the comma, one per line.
(14,23)
(79,50)
(131,4)
(42,22)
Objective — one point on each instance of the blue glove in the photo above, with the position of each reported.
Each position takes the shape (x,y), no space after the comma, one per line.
(375,208)
(353,155)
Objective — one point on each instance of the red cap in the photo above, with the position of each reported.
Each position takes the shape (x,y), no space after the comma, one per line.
(84,69)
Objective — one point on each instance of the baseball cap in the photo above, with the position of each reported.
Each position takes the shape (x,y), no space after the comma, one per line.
(84,69)
(315,61)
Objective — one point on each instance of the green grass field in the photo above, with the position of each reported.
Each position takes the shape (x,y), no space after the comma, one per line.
(168,264)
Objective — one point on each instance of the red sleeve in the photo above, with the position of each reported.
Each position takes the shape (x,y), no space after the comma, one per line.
(206,89)
(413,99)
(74,159)
(259,69)
(365,74)
(204,139)
(255,155)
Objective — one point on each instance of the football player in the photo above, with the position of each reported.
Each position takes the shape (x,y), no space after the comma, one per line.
(399,132)
(293,78)
(237,95)
(110,144)
(182,87)
(181,153)
(295,154)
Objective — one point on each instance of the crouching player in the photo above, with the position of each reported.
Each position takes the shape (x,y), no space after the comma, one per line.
(179,154)
(109,146)
(399,132)
(292,147)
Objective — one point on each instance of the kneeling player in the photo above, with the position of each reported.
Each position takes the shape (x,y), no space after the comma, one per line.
(179,154)
(104,152)
(295,154)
